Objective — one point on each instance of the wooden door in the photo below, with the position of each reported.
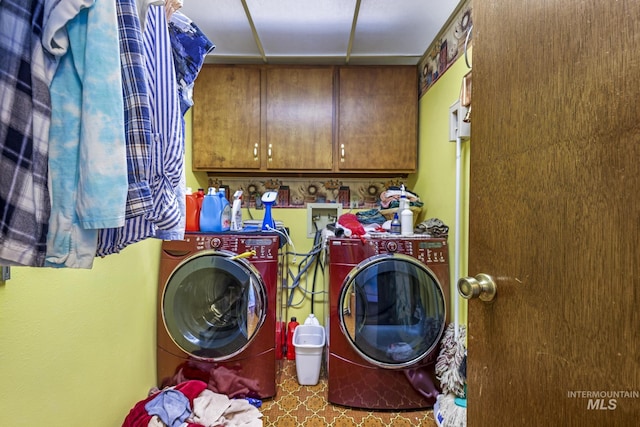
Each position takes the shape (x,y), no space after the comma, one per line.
(377,119)
(299,121)
(555,213)
(227,118)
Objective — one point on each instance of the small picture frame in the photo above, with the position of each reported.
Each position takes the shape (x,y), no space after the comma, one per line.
(283,196)
(465,90)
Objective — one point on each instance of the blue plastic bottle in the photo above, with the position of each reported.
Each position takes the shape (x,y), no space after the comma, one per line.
(210,212)
(225,211)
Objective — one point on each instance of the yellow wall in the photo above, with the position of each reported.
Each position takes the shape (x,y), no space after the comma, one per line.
(435,181)
(78,346)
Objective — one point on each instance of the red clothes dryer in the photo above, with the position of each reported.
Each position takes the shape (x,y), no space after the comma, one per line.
(217,310)
(387,313)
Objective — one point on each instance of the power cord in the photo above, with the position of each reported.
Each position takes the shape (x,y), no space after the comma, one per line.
(311,259)
(283,233)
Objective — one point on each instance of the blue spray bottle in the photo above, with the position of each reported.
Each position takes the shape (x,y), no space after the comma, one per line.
(268,199)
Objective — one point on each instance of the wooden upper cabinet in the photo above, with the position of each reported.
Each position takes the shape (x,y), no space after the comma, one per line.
(227,118)
(305,119)
(299,118)
(378,119)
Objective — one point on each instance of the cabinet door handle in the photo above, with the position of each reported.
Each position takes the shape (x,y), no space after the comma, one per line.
(255,151)
(342,152)
(269,151)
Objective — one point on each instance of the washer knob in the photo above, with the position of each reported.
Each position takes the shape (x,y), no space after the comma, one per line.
(392,246)
(216,242)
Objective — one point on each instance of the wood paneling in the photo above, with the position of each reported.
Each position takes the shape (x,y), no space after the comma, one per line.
(554,212)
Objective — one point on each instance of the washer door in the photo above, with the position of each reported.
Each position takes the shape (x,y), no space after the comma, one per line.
(392,310)
(213,305)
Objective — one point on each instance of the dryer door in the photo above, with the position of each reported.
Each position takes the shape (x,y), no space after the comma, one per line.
(392,310)
(213,305)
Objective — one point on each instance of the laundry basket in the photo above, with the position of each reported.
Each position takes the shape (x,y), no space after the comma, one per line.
(308,340)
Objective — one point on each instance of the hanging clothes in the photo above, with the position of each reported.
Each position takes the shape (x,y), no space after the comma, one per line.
(138,136)
(87,156)
(171,7)
(190,46)
(137,113)
(143,9)
(25,114)
(167,162)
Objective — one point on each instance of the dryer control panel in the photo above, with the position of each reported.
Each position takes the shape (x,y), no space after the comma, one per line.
(427,250)
(432,251)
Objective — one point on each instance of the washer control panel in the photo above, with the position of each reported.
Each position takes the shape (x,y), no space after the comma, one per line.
(265,246)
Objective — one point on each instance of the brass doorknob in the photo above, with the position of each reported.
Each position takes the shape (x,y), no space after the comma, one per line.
(482,286)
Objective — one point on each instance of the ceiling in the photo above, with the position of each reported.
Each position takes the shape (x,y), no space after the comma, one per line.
(372,32)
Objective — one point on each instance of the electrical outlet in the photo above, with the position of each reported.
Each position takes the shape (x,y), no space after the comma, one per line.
(321,214)
(6,273)
(458,128)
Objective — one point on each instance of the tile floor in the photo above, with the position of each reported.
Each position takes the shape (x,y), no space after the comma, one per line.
(307,406)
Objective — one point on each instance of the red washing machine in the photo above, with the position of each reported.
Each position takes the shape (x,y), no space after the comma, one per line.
(387,313)
(217,311)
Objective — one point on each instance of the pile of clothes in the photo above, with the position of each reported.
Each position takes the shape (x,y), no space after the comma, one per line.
(390,198)
(192,404)
(433,227)
(366,223)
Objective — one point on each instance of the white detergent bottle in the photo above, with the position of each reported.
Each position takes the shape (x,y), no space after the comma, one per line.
(311,320)
(236,211)
(406,215)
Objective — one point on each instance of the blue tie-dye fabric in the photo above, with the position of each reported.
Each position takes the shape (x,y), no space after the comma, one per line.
(87,157)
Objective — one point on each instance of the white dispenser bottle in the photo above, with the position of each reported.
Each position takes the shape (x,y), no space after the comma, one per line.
(406,215)
(236,211)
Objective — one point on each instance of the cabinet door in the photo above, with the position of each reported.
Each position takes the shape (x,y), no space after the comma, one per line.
(299,118)
(226,118)
(378,119)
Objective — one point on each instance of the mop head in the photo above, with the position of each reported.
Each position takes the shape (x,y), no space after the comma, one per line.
(450,360)
(447,413)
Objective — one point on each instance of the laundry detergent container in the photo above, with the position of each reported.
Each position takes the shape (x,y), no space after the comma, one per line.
(308,341)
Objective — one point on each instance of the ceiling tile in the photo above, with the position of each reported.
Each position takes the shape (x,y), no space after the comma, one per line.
(225,23)
(318,31)
(399,27)
(303,27)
